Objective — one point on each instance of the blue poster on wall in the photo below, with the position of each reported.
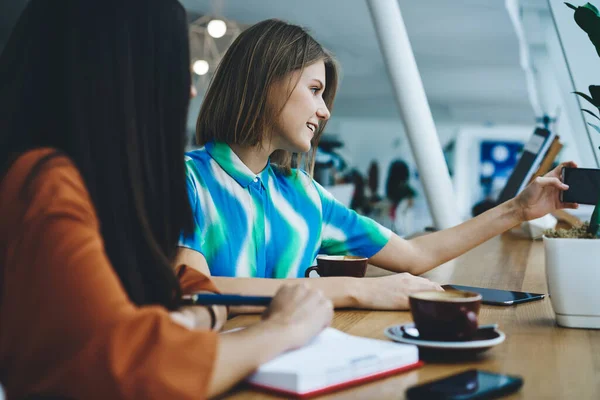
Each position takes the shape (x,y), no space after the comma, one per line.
(497,160)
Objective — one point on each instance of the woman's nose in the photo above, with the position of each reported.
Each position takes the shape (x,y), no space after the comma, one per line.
(323,112)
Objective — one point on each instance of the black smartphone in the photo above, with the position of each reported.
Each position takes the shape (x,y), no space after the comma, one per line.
(584,185)
(497,297)
(471,384)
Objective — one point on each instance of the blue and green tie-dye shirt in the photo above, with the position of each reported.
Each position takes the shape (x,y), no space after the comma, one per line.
(268,225)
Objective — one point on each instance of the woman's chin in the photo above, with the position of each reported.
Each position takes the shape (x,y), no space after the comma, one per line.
(299,145)
(306,148)
(301,148)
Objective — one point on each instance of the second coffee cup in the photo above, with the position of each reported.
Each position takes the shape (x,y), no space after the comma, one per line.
(354,266)
(447,316)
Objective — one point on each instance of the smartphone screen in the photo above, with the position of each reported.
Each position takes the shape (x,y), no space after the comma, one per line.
(471,384)
(497,296)
(584,185)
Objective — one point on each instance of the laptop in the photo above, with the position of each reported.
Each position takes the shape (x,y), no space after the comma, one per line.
(531,158)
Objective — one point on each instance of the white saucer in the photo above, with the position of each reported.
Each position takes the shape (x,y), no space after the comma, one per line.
(476,345)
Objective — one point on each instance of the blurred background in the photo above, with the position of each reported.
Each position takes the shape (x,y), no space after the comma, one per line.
(491,69)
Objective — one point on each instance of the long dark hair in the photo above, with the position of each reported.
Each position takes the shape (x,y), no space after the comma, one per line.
(107,83)
(236,109)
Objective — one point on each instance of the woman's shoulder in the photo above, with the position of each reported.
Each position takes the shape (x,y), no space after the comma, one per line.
(294,176)
(197,161)
(40,166)
(42,180)
(198,155)
(299,180)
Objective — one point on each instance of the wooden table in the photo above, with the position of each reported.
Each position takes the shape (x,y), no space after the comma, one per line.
(555,362)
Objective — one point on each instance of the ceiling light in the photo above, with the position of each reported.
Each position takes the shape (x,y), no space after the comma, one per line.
(216,28)
(200,67)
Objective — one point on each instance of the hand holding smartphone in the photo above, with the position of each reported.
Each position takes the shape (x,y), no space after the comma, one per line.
(584,186)
(467,385)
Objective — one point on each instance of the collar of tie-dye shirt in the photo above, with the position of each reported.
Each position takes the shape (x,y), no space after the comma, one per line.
(231,163)
(267,224)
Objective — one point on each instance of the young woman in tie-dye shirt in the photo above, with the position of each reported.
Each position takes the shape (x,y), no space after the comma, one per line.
(260,219)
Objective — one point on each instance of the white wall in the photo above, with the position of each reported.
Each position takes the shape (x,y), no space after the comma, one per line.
(553,82)
(584,66)
(378,139)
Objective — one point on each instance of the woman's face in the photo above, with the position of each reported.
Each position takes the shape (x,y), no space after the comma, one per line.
(299,120)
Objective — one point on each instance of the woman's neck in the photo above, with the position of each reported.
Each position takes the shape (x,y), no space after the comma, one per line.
(255,157)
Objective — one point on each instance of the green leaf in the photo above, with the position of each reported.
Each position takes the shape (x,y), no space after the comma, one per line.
(571,6)
(591,7)
(594,93)
(588,98)
(588,19)
(591,113)
(596,127)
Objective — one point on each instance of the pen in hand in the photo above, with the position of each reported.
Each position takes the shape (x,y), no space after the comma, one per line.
(207,299)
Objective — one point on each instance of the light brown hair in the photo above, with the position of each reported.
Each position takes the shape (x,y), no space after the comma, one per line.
(236,108)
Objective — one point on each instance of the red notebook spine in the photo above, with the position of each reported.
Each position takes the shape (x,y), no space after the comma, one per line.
(342,385)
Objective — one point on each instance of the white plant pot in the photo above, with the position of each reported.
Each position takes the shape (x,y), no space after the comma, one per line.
(573,275)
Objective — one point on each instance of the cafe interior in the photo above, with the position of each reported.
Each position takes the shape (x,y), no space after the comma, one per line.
(438,103)
(487,89)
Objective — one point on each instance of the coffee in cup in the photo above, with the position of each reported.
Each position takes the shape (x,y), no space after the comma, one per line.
(354,266)
(445,316)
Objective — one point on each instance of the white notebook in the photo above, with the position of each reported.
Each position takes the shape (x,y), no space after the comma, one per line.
(331,361)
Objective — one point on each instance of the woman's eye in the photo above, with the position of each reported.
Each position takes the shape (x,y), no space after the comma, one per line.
(314,90)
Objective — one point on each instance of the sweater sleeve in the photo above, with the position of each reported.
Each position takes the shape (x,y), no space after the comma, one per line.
(192,281)
(68,327)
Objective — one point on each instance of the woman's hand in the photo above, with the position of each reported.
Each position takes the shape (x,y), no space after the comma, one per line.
(296,315)
(305,311)
(542,196)
(391,292)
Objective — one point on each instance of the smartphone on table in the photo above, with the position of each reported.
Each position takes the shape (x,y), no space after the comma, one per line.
(584,185)
(497,297)
(467,385)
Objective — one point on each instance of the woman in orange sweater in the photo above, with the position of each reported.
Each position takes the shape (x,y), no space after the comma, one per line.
(93,100)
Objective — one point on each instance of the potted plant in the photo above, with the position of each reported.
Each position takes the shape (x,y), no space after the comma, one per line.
(573,256)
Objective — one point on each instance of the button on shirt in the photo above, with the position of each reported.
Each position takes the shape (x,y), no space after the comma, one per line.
(268,225)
